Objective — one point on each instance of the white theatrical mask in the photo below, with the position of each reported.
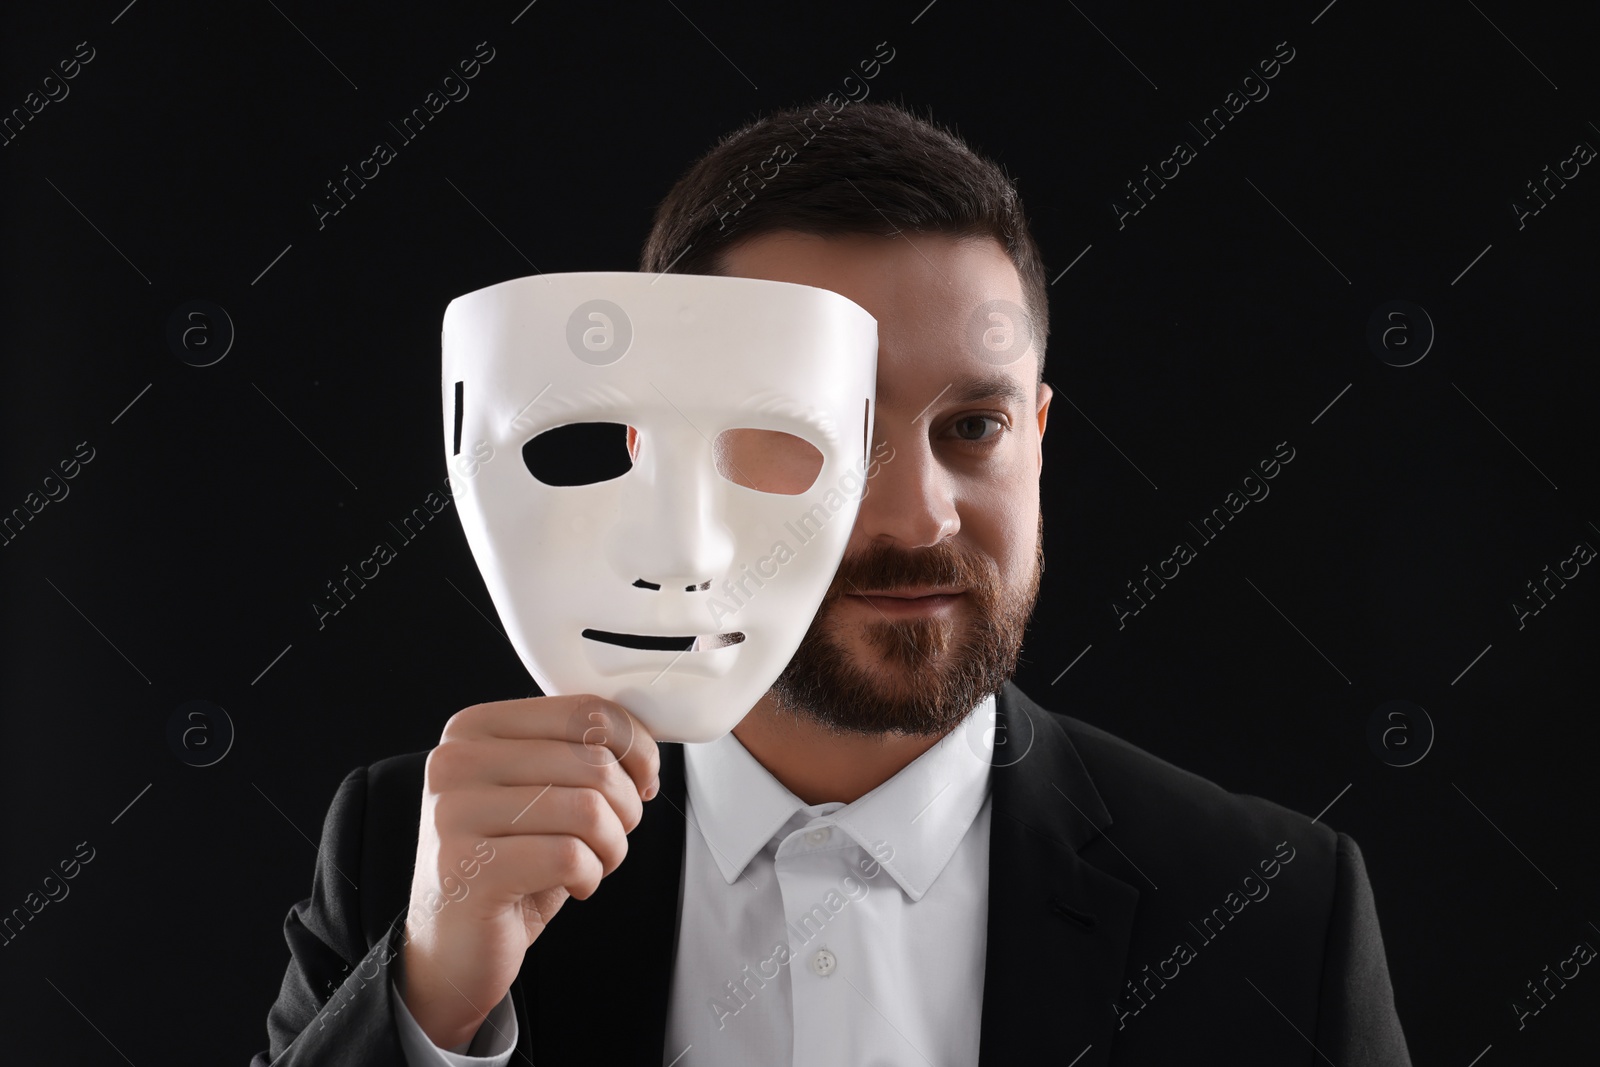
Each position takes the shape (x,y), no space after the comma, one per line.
(677,582)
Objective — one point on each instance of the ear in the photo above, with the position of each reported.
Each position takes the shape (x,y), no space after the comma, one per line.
(633,443)
(1045,392)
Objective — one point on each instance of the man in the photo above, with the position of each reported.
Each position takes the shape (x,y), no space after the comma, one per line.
(896,857)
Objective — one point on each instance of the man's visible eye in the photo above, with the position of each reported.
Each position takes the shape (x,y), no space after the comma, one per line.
(971,428)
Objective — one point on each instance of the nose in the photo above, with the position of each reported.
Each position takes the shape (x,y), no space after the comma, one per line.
(909,500)
(669,535)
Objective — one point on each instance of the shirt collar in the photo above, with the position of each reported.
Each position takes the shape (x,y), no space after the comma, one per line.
(916,818)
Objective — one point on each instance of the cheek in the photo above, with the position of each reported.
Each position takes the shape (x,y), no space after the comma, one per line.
(1000,518)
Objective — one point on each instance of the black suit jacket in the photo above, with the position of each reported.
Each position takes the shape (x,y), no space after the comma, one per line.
(1138,914)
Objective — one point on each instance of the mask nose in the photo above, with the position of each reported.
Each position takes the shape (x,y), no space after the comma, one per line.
(670,535)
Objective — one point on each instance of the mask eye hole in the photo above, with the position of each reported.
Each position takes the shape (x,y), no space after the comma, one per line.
(579,453)
(768,461)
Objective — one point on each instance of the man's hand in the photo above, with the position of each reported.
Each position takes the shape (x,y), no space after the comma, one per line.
(524,803)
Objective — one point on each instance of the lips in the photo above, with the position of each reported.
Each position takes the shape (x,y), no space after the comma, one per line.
(903,603)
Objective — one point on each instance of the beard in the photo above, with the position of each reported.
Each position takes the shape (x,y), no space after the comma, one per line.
(931,670)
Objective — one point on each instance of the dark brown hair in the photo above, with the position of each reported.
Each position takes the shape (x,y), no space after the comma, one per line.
(855,168)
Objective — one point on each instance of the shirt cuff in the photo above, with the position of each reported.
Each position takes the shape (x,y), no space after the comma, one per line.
(492,1046)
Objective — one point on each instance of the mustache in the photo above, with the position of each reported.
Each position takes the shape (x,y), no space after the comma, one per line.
(886,567)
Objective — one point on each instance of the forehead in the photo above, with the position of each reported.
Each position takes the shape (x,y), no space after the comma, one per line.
(925,290)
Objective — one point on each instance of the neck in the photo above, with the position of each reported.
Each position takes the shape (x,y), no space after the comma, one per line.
(818,765)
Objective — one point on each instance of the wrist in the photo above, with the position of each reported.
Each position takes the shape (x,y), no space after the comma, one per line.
(437,1011)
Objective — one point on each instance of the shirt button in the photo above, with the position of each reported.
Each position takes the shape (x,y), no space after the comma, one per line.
(824,962)
(819,835)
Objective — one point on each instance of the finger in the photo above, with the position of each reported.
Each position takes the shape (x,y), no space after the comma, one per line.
(533,863)
(473,816)
(598,730)
(465,765)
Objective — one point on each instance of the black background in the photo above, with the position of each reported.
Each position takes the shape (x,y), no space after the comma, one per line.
(1222,319)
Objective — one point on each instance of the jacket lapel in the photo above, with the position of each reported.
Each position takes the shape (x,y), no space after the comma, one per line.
(616,948)
(1058,927)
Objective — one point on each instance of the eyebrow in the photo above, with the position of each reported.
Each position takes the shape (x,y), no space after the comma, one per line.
(995,386)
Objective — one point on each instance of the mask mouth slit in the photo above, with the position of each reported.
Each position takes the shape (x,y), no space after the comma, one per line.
(670,643)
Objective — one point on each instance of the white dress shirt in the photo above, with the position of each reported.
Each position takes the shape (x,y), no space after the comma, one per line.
(817,934)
